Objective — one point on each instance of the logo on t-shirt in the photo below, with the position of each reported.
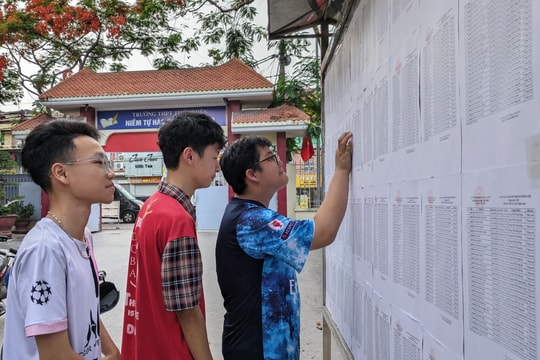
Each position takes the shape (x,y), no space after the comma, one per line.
(92,336)
(40,293)
(288,230)
(275,224)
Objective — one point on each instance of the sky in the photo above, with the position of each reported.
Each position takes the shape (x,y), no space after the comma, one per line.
(268,69)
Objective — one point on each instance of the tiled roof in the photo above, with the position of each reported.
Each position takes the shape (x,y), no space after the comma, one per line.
(31,123)
(233,75)
(282,115)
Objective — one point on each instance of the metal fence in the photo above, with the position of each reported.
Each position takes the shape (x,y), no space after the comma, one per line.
(11,184)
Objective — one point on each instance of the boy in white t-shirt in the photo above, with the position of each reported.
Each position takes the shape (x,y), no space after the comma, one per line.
(53,296)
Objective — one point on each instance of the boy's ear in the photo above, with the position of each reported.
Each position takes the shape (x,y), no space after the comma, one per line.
(58,172)
(251,175)
(187,155)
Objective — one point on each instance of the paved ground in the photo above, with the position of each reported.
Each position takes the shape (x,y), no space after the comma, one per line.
(112,248)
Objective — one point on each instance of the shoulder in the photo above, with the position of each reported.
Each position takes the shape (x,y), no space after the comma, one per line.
(163,205)
(165,212)
(43,245)
(160,198)
(44,233)
(256,213)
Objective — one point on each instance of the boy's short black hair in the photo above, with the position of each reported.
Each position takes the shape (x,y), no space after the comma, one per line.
(188,129)
(50,143)
(239,157)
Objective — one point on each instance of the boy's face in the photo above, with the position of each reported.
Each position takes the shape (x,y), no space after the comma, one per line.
(206,166)
(271,168)
(88,172)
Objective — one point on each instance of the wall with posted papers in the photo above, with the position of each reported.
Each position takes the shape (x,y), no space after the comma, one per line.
(438,256)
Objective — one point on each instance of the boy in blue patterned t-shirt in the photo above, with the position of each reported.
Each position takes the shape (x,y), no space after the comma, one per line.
(259,251)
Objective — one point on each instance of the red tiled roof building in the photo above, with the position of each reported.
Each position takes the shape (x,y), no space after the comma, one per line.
(128,108)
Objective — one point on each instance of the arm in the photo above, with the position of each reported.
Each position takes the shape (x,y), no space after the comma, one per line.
(56,346)
(329,216)
(108,347)
(194,329)
(182,292)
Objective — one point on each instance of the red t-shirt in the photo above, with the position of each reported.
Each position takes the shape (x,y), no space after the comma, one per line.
(151,329)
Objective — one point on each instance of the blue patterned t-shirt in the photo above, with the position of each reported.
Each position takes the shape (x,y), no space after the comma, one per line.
(259,248)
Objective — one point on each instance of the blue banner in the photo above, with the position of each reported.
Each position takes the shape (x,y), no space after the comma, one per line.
(151,119)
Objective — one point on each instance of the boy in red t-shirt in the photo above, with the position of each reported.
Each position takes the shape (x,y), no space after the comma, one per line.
(164,312)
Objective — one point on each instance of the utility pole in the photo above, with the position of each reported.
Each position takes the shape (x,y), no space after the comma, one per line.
(284,59)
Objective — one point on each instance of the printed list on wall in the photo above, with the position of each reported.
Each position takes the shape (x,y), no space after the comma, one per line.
(438,256)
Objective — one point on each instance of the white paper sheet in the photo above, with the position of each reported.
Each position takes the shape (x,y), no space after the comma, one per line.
(405,16)
(404,110)
(500,46)
(405,199)
(441,265)
(383,327)
(439,91)
(406,337)
(501,262)
(435,350)
(381,240)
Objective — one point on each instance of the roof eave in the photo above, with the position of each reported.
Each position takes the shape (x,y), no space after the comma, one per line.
(20,134)
(296,130)
(257,97)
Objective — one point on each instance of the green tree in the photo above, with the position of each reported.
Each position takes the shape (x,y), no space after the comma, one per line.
(43,41)
(46,40)
(7,163)
(302,90)
(229,28)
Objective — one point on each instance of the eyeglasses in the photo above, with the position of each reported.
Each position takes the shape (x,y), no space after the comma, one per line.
(102,160)
(273,156)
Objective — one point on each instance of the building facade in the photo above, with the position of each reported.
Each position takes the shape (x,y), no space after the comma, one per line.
(129,107)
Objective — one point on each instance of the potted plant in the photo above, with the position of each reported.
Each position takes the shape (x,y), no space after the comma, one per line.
(24,215)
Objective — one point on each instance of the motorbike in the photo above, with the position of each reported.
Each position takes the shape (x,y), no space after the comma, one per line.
(6,261)
(108,293)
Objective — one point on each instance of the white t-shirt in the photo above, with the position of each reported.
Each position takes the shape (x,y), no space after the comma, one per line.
(52,288)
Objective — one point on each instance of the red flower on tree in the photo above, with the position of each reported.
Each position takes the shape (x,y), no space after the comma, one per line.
(58,35)
(3,64)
